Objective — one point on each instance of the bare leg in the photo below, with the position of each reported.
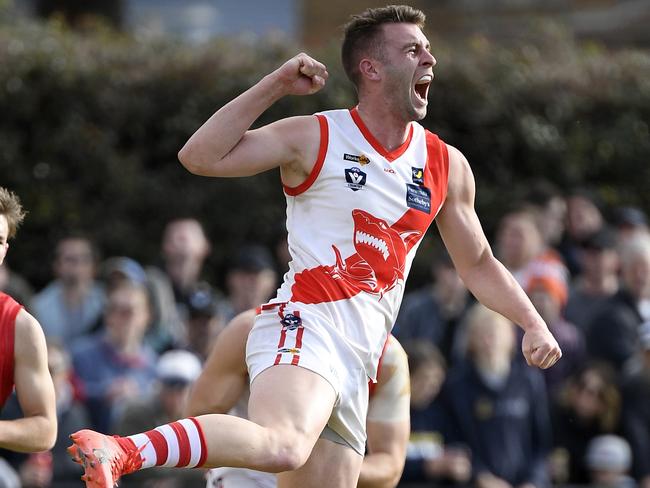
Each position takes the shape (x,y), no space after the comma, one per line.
(288,407)
(339,465)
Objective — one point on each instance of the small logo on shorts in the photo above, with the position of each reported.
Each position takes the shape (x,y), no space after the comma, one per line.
(291,321)
(289,350)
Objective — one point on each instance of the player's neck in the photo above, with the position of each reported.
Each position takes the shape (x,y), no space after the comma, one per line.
(380,119)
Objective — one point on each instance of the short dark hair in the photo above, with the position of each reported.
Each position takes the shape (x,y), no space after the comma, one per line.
(361,33)
(11,208)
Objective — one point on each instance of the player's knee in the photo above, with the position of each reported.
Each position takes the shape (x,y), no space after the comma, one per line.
(288,453)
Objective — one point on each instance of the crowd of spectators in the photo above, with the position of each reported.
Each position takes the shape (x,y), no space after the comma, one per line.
(127,339)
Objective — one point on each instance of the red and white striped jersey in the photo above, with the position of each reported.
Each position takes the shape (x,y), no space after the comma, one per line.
(355,224)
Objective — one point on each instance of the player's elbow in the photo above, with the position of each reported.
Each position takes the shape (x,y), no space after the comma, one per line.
(45,437)
(190,161)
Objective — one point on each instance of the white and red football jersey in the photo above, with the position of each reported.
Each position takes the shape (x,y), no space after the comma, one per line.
(355,224)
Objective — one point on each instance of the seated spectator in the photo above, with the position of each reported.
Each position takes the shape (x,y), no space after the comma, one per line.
(176,371)
(630,221)
(428,458)
(636,407)
(609,459)
(598,281)
(498,407)
(548,293)
(203,322)
(589,406)
(161,333)
(584,218)
(71,305)
(550,208)
(522,249)
(613,334)
(251,280)
(115,365)
(433,312)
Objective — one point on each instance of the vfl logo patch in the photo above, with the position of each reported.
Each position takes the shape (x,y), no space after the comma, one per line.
(418,175)
(355,178)
(362,160)
(418,197)
(289,350)
(291,321)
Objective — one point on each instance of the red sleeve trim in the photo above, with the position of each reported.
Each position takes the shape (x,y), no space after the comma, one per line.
(315,171)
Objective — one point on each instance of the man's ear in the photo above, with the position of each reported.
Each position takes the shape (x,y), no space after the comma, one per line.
(368,69)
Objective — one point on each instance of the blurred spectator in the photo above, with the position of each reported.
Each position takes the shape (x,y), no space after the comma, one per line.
(185,247)
(551,208)
(115,365)
(203,322)
(498,407)
(71,306)
(636,406)
(8,476)
(428,458)
(584,218)
(549,295)
(598,281)
(521,248)
(176,371)
(613,335)
(16,286)
(630,221)
(251,280)
(53,469)
(609,459)
(433,312)
(589,406)
(162,332)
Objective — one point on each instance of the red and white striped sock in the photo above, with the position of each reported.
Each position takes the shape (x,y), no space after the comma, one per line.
(180,444)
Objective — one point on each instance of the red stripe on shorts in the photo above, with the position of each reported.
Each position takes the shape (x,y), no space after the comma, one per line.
(159,445)
(296,358)
(184,449)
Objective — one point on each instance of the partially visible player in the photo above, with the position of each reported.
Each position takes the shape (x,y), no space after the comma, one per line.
(223,387)
(23,357)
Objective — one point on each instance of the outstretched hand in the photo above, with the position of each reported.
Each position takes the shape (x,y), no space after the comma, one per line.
(302,75)
(540,348)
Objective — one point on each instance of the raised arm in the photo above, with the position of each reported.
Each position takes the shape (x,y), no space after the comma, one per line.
(224,145)
(489,281)
(36,431)
(388,422)
(224,377)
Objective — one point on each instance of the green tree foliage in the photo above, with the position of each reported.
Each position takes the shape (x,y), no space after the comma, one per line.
(91,125)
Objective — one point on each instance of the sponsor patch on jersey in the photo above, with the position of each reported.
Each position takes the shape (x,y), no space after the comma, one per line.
(362,159)
(418,197)
(355,178)
(418,175)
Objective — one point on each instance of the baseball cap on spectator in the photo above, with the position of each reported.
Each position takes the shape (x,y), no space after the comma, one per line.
(608,453)
(253,258)
(202,301)
(125,268)
(551,284)
(630,217)
(178,367)
(600,240)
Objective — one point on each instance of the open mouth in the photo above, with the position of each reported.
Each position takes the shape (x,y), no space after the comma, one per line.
(422,87)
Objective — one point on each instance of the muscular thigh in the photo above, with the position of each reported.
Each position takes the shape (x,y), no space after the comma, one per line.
(291,399)
(330,464)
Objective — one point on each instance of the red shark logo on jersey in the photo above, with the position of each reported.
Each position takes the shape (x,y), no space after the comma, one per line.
(376,267)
